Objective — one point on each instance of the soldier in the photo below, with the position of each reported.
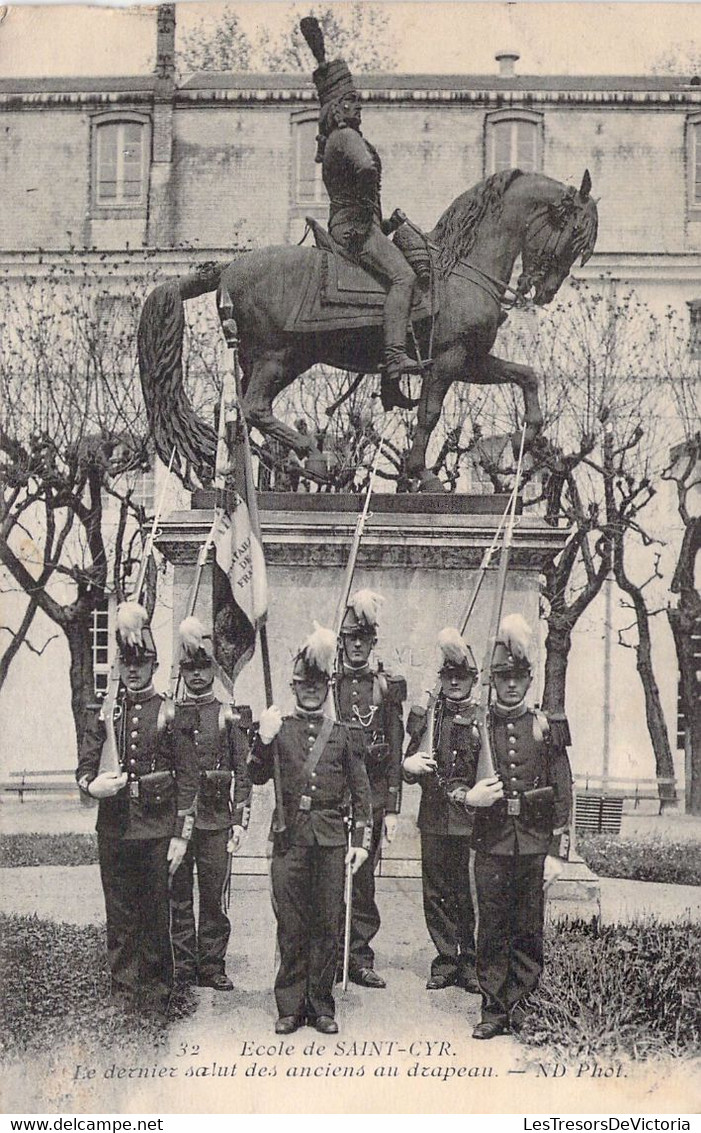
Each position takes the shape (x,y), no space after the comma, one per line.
(352,171)
(319,764)
(213,732)
(144,820)
(371,699)
(516,838)
(445,766)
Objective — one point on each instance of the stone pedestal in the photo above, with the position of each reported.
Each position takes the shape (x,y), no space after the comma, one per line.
(420,552)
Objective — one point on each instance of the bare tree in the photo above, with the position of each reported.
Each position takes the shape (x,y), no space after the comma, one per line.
(612,375)
(72,438)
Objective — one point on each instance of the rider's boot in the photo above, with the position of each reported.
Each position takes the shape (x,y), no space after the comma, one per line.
(397,363)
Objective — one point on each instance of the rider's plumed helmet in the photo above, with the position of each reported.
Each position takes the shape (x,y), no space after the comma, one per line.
(332,78)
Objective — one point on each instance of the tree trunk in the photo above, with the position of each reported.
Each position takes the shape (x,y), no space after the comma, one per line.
(656,723)
(81,671)
(558,644)
(682,626)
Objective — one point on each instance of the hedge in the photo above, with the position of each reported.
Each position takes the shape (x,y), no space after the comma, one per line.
(642,859)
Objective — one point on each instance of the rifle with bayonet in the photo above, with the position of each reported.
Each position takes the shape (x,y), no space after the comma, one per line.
(486,767)
(338,619)
(111,709)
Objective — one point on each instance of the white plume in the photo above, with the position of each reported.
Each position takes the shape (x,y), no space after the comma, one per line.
(320,649)
(191,633)
(131,619)
(366,604)
(516,634)
(452,646)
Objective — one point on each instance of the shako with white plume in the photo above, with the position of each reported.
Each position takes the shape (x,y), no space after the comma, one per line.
(512,646)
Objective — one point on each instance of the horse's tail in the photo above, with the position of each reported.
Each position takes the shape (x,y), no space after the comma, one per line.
(172,420)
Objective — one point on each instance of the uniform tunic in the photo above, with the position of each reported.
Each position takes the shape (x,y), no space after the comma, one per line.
(352,173)
(373,702)
(446,828)
(307,870)
(212,733)
(511,850)
(134,829)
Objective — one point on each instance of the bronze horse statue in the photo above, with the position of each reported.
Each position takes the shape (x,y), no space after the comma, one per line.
(474,247)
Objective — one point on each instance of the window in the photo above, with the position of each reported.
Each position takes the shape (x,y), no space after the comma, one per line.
(513,140)
(309,187)
(695,328)
(100,641)
(694,161)
(144,492)
(120,163)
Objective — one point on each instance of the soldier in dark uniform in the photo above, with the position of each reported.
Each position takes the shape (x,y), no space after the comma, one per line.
(214,733)
(371,699)
(352,173)
(144,820)
(319,764)
(445,766)
(518,838)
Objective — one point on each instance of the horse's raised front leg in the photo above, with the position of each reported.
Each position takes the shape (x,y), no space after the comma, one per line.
(498,371)
(433,392)
(267,377)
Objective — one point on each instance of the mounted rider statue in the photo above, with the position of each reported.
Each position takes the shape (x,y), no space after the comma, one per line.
(352,174)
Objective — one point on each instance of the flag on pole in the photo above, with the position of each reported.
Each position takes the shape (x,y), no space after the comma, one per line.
(238,546)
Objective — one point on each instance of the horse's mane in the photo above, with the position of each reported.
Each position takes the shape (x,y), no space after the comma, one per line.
(456,230)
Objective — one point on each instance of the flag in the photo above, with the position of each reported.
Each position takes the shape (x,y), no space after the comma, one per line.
(238,546)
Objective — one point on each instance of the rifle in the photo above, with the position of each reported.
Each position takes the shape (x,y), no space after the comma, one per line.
(222,469)
(486,767)
(434,693)
(340,611)
(348,897)
(111,709)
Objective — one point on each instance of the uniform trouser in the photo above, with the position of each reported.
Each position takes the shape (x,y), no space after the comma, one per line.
(510,933)
(450,917)
(379,255)
(200,950)
(365,916)
(135,882)
(308,897)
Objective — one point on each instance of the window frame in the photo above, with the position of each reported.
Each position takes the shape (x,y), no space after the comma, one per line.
(692,152)
(496,118)
(100,623)
(301,118)
(128,209)
(694,306)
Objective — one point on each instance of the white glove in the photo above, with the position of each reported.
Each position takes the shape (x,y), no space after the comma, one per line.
(177,849)
(552,869)
(270,724)
(390,827)
(107,784)
(486,792)
(234,843)
(420,763)
(355,858)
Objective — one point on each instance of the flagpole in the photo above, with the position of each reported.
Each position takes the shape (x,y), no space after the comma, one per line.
(231,335)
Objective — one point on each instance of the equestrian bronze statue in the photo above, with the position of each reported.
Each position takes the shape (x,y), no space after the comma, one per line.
(297,306)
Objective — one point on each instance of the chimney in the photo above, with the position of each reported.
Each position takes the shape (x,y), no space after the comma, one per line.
(165,42)
(507,63)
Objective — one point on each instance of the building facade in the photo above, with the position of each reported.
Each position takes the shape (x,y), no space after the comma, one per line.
(166,173)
